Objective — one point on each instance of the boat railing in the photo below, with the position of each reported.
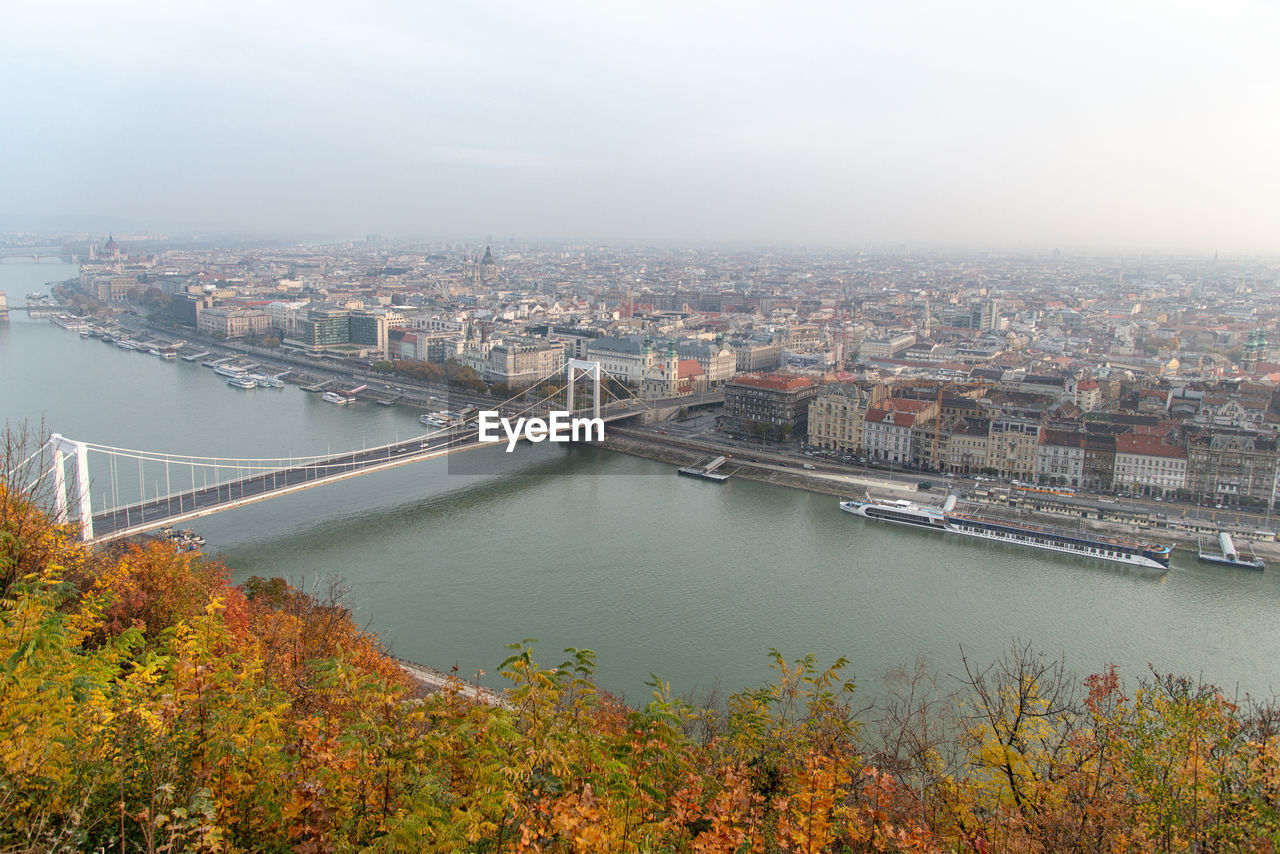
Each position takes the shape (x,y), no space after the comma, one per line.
(1047,529)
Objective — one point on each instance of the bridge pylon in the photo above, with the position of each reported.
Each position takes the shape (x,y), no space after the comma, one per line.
(591,369)
(62,446)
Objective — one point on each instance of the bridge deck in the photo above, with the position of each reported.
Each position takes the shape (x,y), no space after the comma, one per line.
(148,515)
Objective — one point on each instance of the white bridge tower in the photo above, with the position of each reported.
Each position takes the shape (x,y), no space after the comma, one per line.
(62,446)
(591,369)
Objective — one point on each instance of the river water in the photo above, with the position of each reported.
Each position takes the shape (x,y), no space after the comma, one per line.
(690,580)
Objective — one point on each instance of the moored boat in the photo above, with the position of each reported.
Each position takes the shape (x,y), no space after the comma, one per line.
(267,381)
(1013,531)
(1081,543)
(898,512)
(242,382)
(186,540)
(333,397)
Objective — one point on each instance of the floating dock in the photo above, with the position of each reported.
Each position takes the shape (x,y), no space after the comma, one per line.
(1229,554)
(707,470)
(195,357)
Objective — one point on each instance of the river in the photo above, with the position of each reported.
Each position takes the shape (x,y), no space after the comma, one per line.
(690,580)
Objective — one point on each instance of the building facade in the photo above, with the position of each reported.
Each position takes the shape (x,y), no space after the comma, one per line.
(770,406)
(1012,447)
(838,413)
(1060,458)
(1149,465)
(1231,467)
(522,364)
(233,322)
(887,435)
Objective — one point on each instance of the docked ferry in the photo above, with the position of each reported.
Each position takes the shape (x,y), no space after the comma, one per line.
(898,512)
(1082,543)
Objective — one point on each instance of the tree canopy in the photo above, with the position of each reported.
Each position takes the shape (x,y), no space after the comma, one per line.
(146,704)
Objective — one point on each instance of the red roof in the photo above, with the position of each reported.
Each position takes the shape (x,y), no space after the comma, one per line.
(688,368)
(1148,446)
(773,382)
(898,418)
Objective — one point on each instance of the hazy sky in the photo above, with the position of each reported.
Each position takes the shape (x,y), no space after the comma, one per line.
(1116,124)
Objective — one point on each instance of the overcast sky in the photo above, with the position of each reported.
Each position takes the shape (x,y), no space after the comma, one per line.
(1116,124)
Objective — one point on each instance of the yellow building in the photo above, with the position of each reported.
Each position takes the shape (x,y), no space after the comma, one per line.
(1012,448)
(838,414)
(967,449)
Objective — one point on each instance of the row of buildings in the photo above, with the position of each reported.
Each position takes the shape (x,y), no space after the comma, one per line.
(975,429)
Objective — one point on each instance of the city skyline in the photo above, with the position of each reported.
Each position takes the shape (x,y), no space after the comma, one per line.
(1102,126)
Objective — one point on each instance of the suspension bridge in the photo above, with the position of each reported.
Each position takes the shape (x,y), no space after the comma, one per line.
(94,484)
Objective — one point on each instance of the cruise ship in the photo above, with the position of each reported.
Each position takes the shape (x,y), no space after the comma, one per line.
(898,512)
(1082,543)
(333,397)
(66,321)
(1015,532)
(242,382)
(229,371)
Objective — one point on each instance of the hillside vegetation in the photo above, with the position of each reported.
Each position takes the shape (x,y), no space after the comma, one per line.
(148,705)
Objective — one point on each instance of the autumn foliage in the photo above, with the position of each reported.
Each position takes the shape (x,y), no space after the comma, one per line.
(147,705)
